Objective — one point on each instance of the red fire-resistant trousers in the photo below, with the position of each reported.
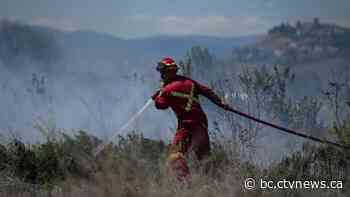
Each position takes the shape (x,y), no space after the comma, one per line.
(189,137)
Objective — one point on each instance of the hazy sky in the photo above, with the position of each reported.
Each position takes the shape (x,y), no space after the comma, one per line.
(140,18)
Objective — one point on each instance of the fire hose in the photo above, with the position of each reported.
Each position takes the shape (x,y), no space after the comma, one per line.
(289,131)
(284,129)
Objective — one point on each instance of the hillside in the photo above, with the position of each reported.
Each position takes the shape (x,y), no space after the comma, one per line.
(47,45)
(315,51)
(299,43)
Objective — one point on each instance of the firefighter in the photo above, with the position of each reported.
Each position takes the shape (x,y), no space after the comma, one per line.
(181,93)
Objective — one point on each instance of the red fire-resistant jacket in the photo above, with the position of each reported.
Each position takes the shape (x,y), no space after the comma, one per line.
(182,96)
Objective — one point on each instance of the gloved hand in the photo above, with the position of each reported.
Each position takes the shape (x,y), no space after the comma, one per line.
(158,92)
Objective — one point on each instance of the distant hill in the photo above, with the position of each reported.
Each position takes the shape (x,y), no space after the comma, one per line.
(47,45)
(174,44)
(299,43)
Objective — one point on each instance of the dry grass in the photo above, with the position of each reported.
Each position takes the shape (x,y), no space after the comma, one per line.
(136,167)
(138,178)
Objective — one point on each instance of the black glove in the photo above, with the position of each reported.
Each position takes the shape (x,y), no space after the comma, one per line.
(155,95)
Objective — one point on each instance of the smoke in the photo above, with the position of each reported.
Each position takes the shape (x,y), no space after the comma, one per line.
(77,82)
(71,87)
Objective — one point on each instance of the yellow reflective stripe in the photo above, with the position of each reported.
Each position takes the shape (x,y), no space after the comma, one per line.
(179,94)
(182,95)
(190,97)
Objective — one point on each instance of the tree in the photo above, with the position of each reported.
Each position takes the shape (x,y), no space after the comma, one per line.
(265,94)
(316,22)
(186,67)
(337,94)
(202,61)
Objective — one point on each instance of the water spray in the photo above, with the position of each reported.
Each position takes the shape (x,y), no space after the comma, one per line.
(125,126)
